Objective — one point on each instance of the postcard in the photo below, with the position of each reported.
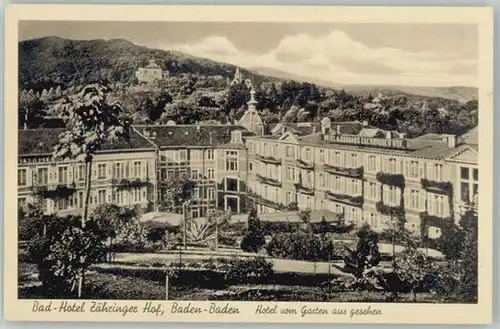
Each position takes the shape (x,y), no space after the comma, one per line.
(248,164)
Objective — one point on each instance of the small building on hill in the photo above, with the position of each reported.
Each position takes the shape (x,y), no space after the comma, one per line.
(150,72)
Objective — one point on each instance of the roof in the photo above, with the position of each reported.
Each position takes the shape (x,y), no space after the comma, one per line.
(471,137)
(42,141)
(190,135)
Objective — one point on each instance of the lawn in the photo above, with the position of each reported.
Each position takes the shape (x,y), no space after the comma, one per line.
(122,287)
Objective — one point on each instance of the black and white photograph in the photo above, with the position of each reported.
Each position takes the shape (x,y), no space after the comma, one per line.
(248,161)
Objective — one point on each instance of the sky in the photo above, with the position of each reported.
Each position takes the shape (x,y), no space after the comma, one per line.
(381,54)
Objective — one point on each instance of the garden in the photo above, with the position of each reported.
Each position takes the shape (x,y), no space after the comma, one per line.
(114,256)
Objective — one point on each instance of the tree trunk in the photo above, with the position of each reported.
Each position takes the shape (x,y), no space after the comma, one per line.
(413,296)
(88,179)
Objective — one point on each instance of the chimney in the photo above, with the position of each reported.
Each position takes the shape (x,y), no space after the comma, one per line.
(451,140)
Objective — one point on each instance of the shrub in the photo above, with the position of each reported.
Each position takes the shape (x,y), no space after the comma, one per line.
(254,239)
(248,270)
(134,237)
(302,246)
(65,252)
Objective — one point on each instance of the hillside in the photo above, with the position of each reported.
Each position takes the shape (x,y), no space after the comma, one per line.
(458,93)
(78,61)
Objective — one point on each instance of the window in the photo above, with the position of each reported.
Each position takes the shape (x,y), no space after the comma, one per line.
(290,174)
(182,155)
(63,175)
(170,173)
(392,195)
(250,166)
(231,184)
(101,171)
(120,170)
(372,163)
(307,154)
(372,220)
(464,173)
(136,194)
(21,177)
(62,204)
(194,174)
(290,151)
(439,203)
(196,193)
(413,172)
(337,183)
(354,160)
(43,176)
(210,173)
(354,187)
(81,172)
(337,158)
(468,184)
(195,154)
(321,156)
(276,151)
(414,199)
(80,199)
(371,190)
(210,155)
(101,197)
(392,166)
(231,160)
(211,193)
(438,172)
(137,168)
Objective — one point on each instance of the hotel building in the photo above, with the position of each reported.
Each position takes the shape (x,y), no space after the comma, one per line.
(359,172)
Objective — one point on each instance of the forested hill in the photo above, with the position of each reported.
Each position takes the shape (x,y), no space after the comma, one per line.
(73,62)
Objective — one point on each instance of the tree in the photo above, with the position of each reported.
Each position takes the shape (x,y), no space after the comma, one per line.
(91,122)
(413,264)
(305,219)
(218,218)
(469,254)
(178,190)
(253,240)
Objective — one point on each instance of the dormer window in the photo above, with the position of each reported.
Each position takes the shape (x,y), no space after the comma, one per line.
(236,137)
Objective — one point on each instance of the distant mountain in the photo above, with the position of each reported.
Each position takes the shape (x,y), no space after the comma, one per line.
(62,61)
(458,93)
(76,61)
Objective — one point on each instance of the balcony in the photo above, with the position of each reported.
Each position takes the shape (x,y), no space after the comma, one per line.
(397,180)
(55,192)
(444,188)
(393,211)
(258,199)
(305,165)
(268,159)
(356,201)
(268,181)
(347,172)
(124,183)
(304,189)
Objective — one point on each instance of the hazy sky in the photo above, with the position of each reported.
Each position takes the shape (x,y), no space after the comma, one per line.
(394,54)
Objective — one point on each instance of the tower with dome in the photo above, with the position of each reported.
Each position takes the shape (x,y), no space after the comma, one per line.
(251,119)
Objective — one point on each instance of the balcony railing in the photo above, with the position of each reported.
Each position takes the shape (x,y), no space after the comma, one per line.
(268,159)
(55,192)
(268,181)
(393,211)
(356,201)
(304,189)
(397,180)
(127,183)
(348,172)
(258,199)
(305,165)
(437,187)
